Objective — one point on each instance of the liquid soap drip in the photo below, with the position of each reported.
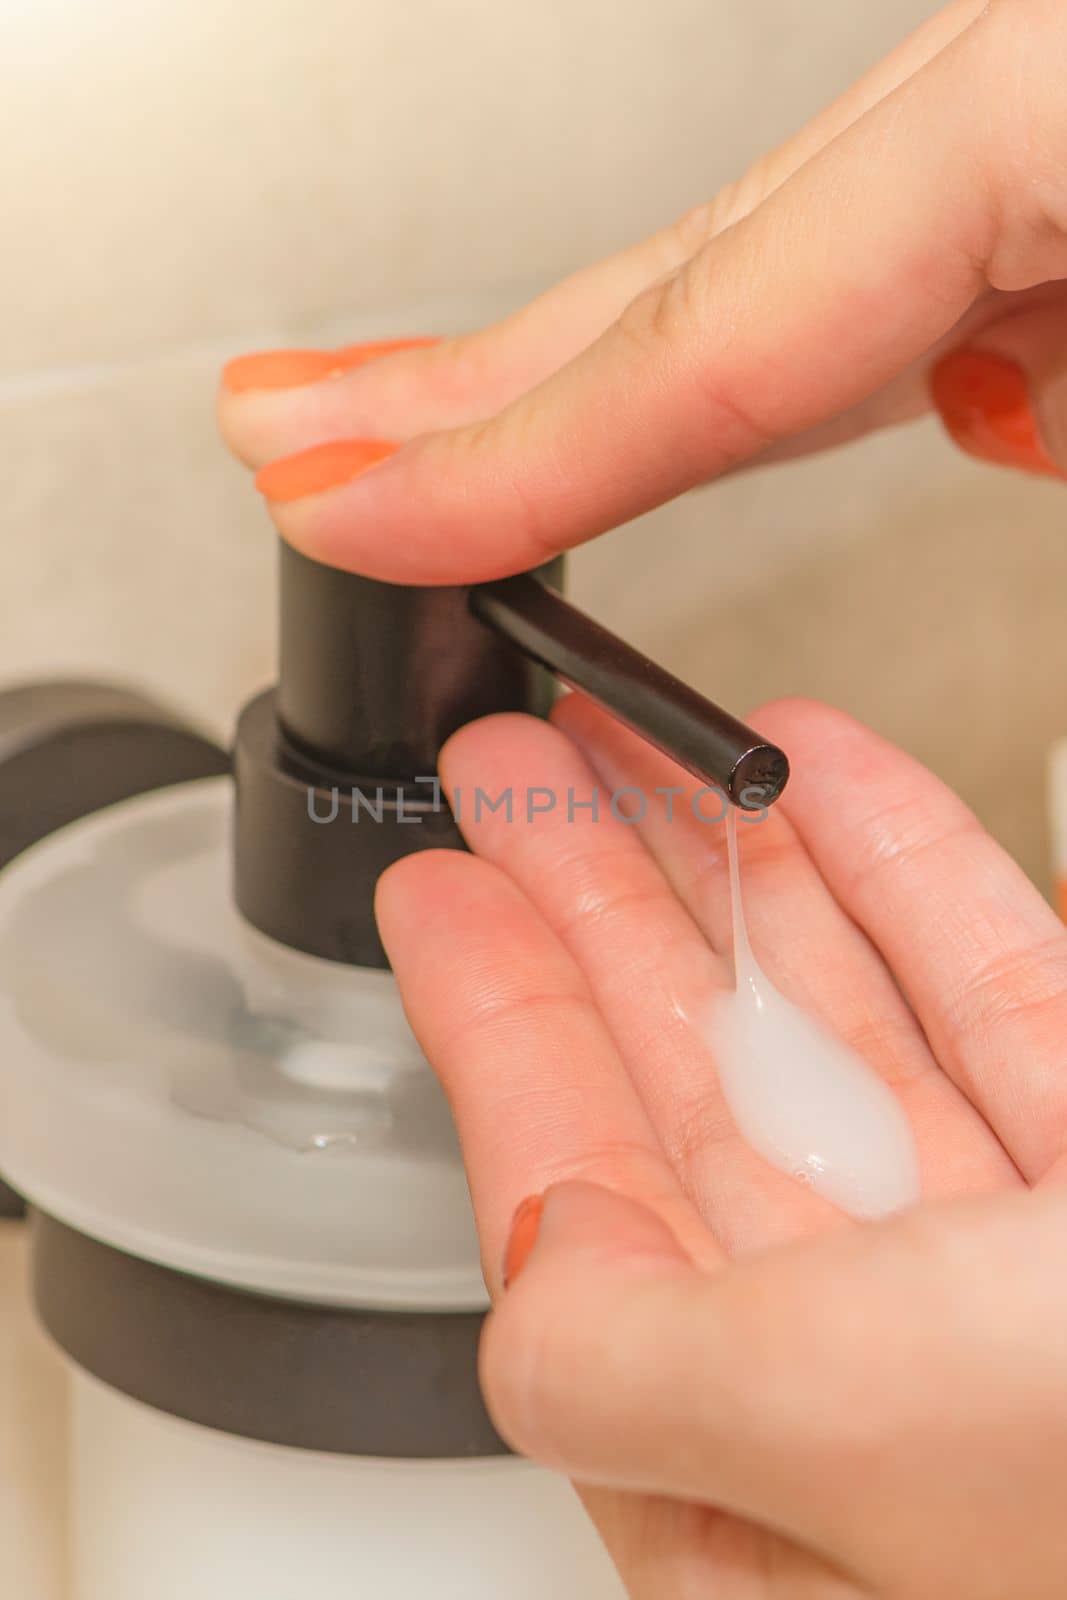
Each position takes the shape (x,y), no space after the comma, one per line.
(801,1097)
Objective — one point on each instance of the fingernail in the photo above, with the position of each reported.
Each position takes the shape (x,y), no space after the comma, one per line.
(289,369)
(324,466)
(523,1237)
(984,402)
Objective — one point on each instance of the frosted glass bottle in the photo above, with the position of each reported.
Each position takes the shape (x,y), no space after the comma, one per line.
(218,1134)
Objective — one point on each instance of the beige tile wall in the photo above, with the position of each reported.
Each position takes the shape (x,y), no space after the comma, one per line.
(182,181)
(217,168)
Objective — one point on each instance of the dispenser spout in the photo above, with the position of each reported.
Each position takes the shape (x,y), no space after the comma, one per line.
(692,730)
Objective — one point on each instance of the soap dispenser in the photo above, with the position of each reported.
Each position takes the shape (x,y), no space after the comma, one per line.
(251,1232)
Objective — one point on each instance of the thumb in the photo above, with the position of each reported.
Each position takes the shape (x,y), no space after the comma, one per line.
(607,1227)
(869,1394)
(1003,398)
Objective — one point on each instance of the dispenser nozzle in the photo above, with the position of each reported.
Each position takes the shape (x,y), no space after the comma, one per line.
(692,730)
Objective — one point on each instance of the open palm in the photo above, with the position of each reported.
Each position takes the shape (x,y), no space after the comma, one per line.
(552,977)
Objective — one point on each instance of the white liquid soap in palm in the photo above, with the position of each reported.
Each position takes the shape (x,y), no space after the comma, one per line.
(801,1097)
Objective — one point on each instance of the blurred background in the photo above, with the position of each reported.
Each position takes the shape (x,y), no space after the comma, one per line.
(184,181)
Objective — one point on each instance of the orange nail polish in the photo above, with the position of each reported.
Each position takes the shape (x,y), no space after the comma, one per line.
(324,466)
(289,369)
(984,402)
(523,1237)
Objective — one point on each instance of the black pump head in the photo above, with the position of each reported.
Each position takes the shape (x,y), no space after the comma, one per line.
(336,769)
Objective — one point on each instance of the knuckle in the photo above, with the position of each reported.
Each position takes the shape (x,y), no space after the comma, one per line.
(694,227)
(651,318)
(692,230)
(666,318)
(675,324)
(700,224)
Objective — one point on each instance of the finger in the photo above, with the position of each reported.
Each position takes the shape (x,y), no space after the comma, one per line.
(505,1017)
(648,967)
(262,416)
(689,382)
(843,1391)
(909,395)
(1003,395)
(807,943)
(980,956)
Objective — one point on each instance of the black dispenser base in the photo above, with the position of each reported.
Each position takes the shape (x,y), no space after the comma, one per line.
(310,843)
(349,1382)
(336,769)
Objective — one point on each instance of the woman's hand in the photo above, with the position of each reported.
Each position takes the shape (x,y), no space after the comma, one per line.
(758,1397)
(917,227)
